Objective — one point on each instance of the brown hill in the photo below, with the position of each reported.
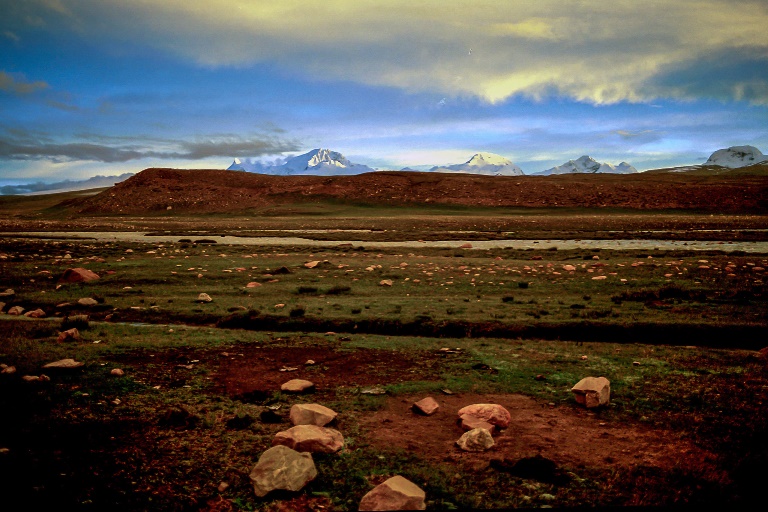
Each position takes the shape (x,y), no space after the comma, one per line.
(208,191)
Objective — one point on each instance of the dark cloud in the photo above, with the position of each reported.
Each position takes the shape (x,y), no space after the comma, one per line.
(731,74)
(19,87)
(17,144)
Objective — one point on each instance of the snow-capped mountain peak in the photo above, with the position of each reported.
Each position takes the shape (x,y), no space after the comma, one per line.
(323,162)
(484,163)
(587,165)
(736,156)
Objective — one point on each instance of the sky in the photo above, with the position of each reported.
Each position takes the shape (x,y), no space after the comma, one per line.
(104,87)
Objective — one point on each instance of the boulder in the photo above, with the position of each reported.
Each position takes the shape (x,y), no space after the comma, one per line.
(87,301)
(9,293)
(427,406)
(64,364)
(8,370)
(78,275)
(282,468)
(204,297)
(311,414)
(385,282)
(491,413)
(35,313)
(16,310)
(117,372)
(397,493)
(592,391)
(310,438)
(476,440)
(297,386)
(69,335)
(469,422)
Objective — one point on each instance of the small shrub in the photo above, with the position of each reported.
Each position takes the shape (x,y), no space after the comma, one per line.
(79,322)
(306,290)
(508,298)
(297,312)
(338,290)
(356,311)
(522,284)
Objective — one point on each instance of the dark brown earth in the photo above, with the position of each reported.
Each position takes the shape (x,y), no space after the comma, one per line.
(206,191)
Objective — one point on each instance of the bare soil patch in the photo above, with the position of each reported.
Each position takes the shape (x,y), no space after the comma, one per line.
(575,438)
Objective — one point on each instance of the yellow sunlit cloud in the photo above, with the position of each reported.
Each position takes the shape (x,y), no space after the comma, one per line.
(593,51)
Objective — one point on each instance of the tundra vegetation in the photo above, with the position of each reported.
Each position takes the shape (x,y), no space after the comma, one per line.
(677,333)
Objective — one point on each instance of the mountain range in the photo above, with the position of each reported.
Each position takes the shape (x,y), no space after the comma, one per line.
(324,162)
(587,164)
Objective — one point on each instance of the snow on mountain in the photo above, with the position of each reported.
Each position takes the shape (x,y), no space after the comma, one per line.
(484,163)
(588,165)
(319,162)
(736,156)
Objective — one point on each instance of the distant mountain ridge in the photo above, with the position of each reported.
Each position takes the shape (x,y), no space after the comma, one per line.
(64,186)
(318,162)
(736,156)
(484,163)
(588,165)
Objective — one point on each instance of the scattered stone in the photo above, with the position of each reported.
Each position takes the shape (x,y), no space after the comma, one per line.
(2,306)
(385,282)
(492,413)
(204,297)
(16,310)
(279,306)
(64,364)
(253,284)
(592,391)
(446,391)
(584,358)
(476,440)
(309,362)
(223,486)
(465,246)
(30,378)
(310,438)
(375,390)
(540,377)
(635,363)
(8,293)
(297,386)
(469,422)
(44,378)
(311,264)
(78,275)
(69,335)
(36,313)
(397,493)
(282,468)
(569,268)
(87,301)
(427,406)
(117,372)
(312,414)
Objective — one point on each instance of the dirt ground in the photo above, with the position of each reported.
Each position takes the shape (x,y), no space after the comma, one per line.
(198,190)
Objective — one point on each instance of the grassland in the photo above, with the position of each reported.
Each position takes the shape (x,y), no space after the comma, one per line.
(676,332)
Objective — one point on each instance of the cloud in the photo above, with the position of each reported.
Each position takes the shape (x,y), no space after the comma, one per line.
(18,86)
(591,51)
(19,144)
(11,35)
